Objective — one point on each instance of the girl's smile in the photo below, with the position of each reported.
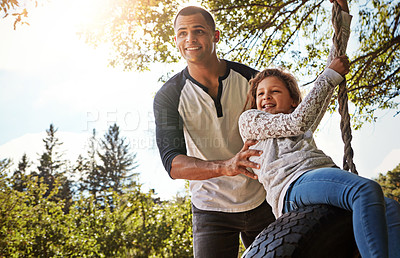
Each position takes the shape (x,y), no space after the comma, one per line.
(273,96)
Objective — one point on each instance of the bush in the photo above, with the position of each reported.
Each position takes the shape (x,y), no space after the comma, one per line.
(133,224)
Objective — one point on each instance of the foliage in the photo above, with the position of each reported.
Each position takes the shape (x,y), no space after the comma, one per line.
(375,74)
(17,9)
(137,226)
(5,164)
(30,225)
(35,223)
(19,174)
(178,225)
(390,183)
(260,33)
(139,31)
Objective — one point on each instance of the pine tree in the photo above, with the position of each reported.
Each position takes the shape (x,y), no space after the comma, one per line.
(19,176)
(50,159)
(107,166)
(117,161)
(90,177)
(52,169)
(5,164)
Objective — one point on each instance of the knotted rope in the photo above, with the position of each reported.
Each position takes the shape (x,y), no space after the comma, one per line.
(342,95)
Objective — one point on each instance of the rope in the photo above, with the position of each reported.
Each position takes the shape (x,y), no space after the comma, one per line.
(342,95)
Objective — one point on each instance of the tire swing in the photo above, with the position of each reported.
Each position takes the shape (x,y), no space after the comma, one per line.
(317,230)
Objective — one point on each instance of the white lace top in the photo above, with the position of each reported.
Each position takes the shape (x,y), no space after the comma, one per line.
(287,140)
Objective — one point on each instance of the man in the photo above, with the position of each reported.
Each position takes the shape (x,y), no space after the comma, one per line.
(196,114)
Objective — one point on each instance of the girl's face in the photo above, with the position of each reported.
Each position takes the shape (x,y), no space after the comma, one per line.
(273,96)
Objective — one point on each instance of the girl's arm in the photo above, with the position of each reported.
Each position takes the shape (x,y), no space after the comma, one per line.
(346,18)
(258,125)
(255,124)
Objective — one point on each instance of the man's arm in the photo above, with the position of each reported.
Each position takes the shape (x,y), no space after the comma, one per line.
(184,167)
(171,144)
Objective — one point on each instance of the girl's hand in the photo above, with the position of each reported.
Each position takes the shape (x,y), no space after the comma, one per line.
(343,4)
(341,65)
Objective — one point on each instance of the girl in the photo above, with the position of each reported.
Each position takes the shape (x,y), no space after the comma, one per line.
(296,173)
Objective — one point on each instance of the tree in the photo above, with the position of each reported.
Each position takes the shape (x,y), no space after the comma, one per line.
(117,160)
(37,220)
(135,226)
(50,159)
(390,183)
(5,164)
(19,176)
(107,166)
(89,170)
(292,34)
(52,169)
(140,32)
(179,235)
(28,227)
(17,9)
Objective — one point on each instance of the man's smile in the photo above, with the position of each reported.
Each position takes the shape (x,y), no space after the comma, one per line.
(192,48)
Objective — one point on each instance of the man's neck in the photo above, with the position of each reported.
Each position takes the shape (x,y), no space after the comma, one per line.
(208,74)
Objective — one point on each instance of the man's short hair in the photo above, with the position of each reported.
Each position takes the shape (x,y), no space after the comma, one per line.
(190,10)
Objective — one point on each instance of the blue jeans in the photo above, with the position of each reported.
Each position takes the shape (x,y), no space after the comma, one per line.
(216,234)
(376,219)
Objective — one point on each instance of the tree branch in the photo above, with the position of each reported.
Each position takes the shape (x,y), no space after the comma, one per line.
(272,6)
(296,29)
(383,48)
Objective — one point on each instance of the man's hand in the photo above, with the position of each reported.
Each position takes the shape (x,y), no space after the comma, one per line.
(238,164)
(190,168)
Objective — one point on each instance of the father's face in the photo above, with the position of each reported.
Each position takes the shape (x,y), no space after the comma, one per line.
(195,39)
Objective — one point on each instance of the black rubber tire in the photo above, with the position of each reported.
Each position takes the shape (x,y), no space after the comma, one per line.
(313,231)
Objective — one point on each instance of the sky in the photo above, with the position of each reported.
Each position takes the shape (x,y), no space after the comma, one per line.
(49,75)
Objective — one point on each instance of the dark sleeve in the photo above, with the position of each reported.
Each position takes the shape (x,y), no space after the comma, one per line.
(169,125)
(244,70)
